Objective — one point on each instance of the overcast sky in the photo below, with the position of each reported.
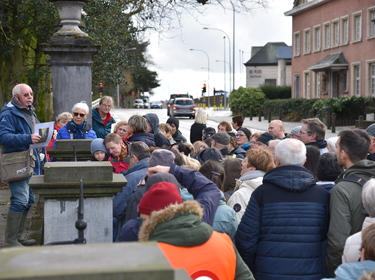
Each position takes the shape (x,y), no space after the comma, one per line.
(183,71)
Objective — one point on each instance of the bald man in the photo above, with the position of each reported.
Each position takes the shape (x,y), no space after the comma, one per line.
(276,128)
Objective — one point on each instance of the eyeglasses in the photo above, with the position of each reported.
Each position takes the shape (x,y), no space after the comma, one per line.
(78,114)
(28,94)
(305,132)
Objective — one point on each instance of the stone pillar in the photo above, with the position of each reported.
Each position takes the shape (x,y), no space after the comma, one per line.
(71,52)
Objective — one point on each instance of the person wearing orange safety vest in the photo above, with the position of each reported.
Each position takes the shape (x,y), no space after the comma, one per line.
(186,241)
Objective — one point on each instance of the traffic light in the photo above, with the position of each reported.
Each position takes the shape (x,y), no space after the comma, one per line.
(204,89)
(101,89)
(214,91)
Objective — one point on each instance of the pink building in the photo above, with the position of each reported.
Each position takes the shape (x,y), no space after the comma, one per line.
(333,48)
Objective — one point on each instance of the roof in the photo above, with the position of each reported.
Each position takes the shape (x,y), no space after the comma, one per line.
(267,56)
(335,60)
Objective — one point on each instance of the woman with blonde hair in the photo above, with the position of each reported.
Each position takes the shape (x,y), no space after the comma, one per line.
(199,124)
(102,119)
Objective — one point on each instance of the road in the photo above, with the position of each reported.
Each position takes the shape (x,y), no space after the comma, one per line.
(214,118)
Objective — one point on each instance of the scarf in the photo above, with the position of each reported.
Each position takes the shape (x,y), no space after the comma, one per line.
(123,154)
(77,130)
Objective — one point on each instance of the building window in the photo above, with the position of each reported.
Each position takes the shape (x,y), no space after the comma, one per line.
(371,23)
(356,81)
(336,33)
(327,36)
(296,85)
(307,41)
(297,43)
(344,31)
(317,38)
(357,27)
(317,84)
(270,82)
(306,82)
(372,79)
(370,69)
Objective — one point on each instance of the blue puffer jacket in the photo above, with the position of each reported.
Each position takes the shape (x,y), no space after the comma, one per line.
(133,176)
(98,126)
(282,234)
(145,137)
(15,133)
(65,134)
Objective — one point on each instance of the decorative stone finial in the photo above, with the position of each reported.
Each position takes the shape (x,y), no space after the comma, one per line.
(70,17)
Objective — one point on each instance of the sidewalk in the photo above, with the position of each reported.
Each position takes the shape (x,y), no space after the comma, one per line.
(33,216)
(262,126)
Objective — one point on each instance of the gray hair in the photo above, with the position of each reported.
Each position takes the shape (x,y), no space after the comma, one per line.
(138,123)
(17,89)
(140,150)
(290,151)
(368,197)
(64,116)
(331,143)
(81,105)
(201,116)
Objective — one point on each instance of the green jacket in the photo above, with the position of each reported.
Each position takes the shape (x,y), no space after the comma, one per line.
(181,225)
(346,210)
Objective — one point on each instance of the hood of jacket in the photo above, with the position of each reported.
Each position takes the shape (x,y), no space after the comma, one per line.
(353,270)
(143,163)
(178,225)
(148,138)
(294,178)
(251,183)
(362,168)
(153,119)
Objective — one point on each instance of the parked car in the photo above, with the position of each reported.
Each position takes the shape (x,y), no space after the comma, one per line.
(146,105)
(138,103)
(156,105)
(184,107)
(169,104)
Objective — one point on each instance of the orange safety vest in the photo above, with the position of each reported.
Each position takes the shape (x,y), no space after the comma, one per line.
(215,259)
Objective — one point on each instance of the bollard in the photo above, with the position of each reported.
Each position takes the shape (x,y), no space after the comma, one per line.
(260,115)
(311,114)
(269,115)
(243,112)
(251,113)
(333,120)
(360,122)
(328,122)
(280,114)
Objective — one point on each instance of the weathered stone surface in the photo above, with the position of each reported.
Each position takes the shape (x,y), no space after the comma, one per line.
(74,171)
(131,261)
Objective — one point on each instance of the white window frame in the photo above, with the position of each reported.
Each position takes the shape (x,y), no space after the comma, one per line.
(370,73)
(317,38)
(335,30)
(306,84)
(307,41)
(357,27)
(356,78)
(297,44)
(326,36)
(316,83)
(370,24)
(344,32)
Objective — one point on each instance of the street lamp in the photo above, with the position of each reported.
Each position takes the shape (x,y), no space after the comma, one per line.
(208,74)
(210,28)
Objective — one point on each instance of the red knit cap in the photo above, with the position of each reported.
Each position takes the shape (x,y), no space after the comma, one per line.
(158,197)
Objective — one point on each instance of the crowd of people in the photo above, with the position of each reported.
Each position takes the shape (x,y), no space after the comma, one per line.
(229,204)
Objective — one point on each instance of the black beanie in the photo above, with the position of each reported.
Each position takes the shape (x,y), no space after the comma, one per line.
(175,121)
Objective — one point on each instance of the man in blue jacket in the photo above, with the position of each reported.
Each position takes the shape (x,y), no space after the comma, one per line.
(17,123)
(283,232)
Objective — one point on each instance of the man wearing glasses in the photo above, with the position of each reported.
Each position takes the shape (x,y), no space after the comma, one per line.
(17,122)
(313,132)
